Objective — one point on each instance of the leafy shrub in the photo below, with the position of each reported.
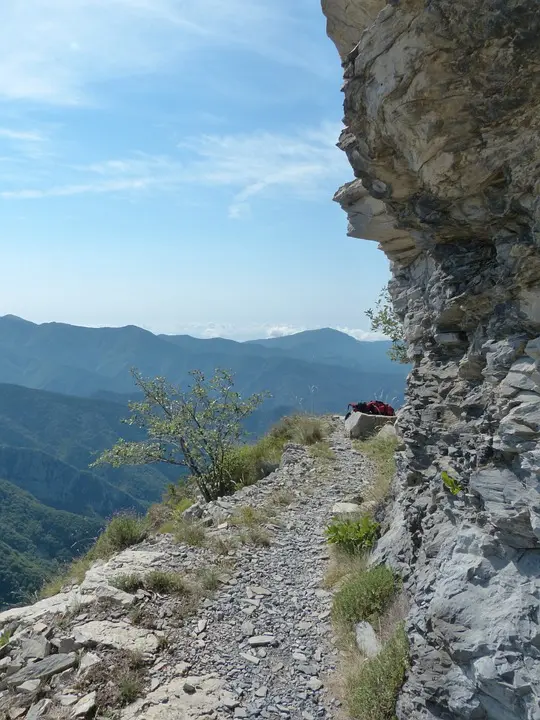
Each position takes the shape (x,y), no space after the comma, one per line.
(365,596)
(373,687)
(353,536)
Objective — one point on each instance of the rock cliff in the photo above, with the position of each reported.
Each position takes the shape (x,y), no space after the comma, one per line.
(442,132)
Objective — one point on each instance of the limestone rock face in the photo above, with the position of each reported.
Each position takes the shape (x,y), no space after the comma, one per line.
(442,132)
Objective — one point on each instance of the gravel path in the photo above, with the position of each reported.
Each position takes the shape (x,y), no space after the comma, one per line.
(267,632)
(260,646)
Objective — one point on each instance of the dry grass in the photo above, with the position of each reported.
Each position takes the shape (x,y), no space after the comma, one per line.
(118,681)
(283,498)
(190,533)
(322,451)
(342,566)
(256,536)
(222,545)
(249,517)
(381,451)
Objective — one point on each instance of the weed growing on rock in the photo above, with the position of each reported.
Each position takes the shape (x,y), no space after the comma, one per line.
(364,596)
(130,582)
(450,483)
(166,582)
(353,536)
(283,498)
(209,578)
(118,681)
(373,685)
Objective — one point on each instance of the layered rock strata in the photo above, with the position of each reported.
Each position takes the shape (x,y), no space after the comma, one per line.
(442,129)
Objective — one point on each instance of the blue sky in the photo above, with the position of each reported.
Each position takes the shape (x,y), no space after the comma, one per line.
(171,164)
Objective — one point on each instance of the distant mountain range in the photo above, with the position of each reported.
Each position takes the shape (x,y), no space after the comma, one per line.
(64,391)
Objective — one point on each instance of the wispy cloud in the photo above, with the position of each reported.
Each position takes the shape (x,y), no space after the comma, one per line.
(246,166)
(56,51)
(21,135)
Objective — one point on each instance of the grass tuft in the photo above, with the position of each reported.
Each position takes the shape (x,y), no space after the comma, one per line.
(256,536)
(249,517)
(166,583)
(373,685)
(130,582)
(189,532)
(353,536)
(364,596)
(5,637)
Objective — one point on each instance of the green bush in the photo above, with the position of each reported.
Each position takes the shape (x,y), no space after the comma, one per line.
(365,596)
(353,536)
(247,464)
(123,531)
(5,637)
(373,687)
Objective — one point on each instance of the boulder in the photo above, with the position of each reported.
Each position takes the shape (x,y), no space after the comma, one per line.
(366,640)
(121,636)
(359,426)
(41,670)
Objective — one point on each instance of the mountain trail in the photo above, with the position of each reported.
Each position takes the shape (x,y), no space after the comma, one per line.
(258,645)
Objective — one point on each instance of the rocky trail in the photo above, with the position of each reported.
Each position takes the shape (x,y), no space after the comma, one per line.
(259,645)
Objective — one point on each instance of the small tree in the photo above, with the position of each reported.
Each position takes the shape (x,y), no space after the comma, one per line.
(195,429)
(384,319)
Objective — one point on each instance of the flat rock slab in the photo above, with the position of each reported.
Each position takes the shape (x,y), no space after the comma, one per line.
(359,426)
(117,635)
(42,669)
(84,706)
(366,640)
(172,701)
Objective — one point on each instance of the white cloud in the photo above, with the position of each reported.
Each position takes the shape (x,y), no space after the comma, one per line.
(21,135)
(303,165)
(366,335)
(257,331)
(55,51)
(282,330)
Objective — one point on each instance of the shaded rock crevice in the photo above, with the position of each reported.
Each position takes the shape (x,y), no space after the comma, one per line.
(442,131)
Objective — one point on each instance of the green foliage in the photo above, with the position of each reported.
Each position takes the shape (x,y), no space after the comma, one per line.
(450,483)
(247,464)
(194,429)
(123,531)
(35,541)
(364,596)
(353,536)
(5,637)
(384,319)
(373,686)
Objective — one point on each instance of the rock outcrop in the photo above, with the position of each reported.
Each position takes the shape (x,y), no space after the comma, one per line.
(442,132)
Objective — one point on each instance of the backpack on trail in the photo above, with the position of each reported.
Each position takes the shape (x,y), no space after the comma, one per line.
(373,407)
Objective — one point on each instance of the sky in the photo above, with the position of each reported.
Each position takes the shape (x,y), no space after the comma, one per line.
(171,164)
